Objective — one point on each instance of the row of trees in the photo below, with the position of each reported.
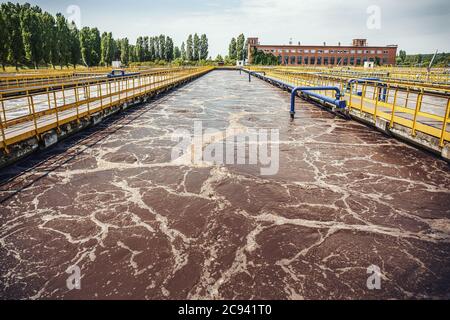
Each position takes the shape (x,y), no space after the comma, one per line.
(29,36)
(196,48)
(237,50)
(423,60)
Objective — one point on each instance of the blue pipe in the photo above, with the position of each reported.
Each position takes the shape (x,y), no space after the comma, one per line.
(250,73)
(382,96)
(341,104)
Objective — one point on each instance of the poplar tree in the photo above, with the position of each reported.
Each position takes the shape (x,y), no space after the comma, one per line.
(204,47)
(196,48)
(162,47)
(240,47)
(189,48)
(4,45)
(232,52)
(183,51)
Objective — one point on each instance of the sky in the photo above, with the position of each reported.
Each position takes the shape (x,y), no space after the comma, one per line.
(416,26)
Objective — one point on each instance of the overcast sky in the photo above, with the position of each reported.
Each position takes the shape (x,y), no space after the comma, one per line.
(417,26)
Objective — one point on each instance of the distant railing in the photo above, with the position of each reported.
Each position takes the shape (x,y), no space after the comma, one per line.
(24,114)
(415,107)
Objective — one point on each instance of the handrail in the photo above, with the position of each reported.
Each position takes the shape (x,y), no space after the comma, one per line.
(341,104)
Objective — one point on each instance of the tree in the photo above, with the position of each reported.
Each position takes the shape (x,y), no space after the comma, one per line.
(246,50)
(162,47)
(75,52)
(196,48)
(183,51)
(146,49)
(108,48)
(204,47)
(16,51)
(158,55)
(232,51)
(240,43)
(139,49)
(219,58)
(124,49)
(151,49)
(169,49)
(49,42)
(189,48)
(91,46)
(402,55)
(176,53)
(62,41)
(31,35)
(4,45)
(96,46)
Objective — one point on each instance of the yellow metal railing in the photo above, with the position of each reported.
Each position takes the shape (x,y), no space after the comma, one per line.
(413,107)
(27,114)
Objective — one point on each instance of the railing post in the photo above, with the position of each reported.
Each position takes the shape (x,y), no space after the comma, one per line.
(77,103)
(31,102)
(391,125)
(444,124)
(99,92)
(418,107)
(87,90)
(56,109)
(1,126)
(377,91)
(363,93)
(110,93)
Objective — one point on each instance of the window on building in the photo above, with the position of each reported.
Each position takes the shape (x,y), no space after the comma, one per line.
(379,52)
(280,59)
(352,61)
(385,60)
(299,59)
(332,60)
(319,51)
(358,61)
(306,51)
(299,50)
(312,60)
(385,52)
(286,60)
(306,60)
(326,51)
(293,60)
(345,61)
(331,51)
(360,51)
(372,51)
(313,51)
(325,61)
(293,51)
(319,61)
(352,51)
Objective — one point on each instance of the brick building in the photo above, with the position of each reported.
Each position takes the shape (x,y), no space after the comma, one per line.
(354,55)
